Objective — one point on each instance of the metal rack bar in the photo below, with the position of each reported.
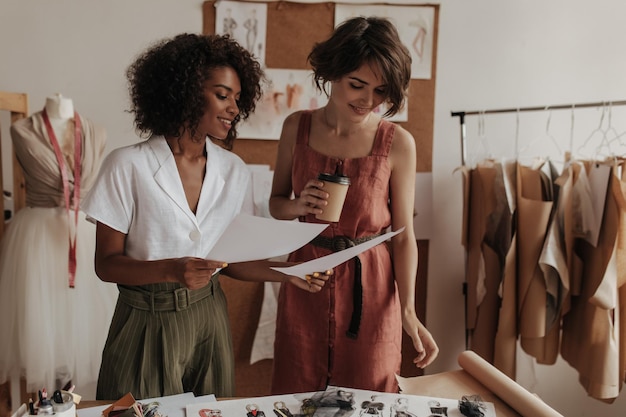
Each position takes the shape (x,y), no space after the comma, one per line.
(461,115)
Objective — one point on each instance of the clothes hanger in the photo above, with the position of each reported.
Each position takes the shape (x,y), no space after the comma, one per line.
(545,139)
(568,153)
(594,133)
(604,147)
(517,134)
(536,162)
(549,135)
(603,134)
(482,152)
(616,144)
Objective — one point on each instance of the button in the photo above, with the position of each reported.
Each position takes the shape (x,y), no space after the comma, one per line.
(194,235)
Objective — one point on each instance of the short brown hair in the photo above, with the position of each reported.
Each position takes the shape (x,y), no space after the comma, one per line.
(362,40)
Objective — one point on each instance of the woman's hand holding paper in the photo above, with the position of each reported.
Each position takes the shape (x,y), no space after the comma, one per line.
(313,283)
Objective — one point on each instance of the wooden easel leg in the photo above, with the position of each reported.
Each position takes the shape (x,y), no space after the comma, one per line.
(24,395)
(5,399)
(12,394)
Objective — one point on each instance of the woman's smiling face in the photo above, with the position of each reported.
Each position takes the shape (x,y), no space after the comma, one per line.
(221,90)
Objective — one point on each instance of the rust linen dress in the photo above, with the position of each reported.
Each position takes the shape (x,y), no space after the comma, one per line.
(311,348)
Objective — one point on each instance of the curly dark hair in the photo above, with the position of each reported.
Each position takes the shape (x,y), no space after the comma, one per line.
(362,40)
(166,83)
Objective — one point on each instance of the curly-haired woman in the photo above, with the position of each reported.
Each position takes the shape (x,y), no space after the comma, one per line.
(160,206)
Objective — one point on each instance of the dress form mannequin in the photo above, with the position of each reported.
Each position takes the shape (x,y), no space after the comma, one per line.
(59,107)
(34,259)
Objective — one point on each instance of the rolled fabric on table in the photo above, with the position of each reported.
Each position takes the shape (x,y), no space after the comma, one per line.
(516,396)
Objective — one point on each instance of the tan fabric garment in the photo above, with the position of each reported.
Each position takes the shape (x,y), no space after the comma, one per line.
(621,266)
(590,336)
(475,234)
(506,335)
(496,243)
(34,151)
(534,214)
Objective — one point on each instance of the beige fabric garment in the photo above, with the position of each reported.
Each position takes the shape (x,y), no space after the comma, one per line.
(505,344)
(583,221)
(553,265)
(465,175)
(534,215)
(565,214)
(553,261)
(36,156)
(506,334)
(590,336)
(621,269)
(487,311)
(496,243)
(475,227)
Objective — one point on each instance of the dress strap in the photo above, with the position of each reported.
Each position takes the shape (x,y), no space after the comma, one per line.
(384,138)
(304,127)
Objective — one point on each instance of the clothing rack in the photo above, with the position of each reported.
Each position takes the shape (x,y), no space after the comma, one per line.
(461,115)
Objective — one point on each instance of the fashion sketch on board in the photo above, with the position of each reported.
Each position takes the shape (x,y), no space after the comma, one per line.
(246,23)
(415,25)
(286,91)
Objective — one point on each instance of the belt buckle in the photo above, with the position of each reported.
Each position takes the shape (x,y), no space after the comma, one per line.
(181,298)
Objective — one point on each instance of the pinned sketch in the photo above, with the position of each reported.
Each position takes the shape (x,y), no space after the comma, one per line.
(415,25)
(286,91)
(245,22)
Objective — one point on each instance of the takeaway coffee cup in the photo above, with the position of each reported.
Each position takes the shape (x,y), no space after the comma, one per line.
(336,186)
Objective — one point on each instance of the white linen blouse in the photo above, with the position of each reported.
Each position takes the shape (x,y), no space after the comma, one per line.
(139,192)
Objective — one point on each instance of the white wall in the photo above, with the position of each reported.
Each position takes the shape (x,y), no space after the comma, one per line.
(491,54)
(503,54)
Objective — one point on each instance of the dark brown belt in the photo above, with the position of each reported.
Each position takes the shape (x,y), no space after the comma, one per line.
(339,243)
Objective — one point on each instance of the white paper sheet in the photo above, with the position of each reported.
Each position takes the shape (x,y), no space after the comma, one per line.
(334,259)
(250,238)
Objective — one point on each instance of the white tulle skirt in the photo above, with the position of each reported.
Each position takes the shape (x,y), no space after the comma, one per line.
(50,333)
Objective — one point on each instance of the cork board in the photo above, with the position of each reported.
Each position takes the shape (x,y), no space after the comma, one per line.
(285,49)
